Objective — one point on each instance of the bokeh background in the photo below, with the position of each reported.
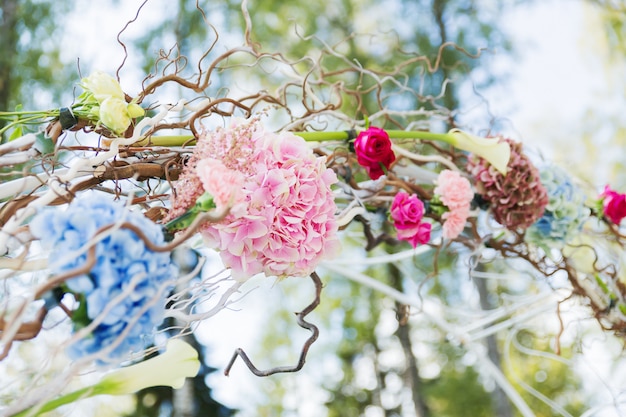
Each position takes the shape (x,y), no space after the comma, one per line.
(547,73)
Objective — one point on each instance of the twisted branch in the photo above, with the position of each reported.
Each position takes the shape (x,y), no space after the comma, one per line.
(305,348)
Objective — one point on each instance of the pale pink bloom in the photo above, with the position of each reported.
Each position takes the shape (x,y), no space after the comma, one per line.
(456,193)
(225,185)
(454,222)
(454,190)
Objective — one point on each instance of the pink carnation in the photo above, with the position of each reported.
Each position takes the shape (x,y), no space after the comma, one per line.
(286,224)
(455,192)
(407,213)
(223,184)
(454,223)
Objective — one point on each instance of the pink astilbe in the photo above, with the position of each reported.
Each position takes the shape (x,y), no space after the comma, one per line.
(517,199)
(455,192)
(285,224)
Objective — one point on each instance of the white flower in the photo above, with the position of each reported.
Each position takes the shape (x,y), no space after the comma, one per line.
(114,114)
(179,361)
(102,86)
(495,152)
(135,110)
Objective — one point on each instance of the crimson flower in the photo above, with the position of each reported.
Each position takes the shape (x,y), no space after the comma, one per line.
(373,151)
(613,204)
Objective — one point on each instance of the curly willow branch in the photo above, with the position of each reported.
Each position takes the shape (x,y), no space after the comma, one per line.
(305,348)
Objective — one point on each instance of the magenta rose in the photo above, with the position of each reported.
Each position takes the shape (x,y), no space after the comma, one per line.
(614,205)
(407,213)
(373,151)
(407,209)
(418,235)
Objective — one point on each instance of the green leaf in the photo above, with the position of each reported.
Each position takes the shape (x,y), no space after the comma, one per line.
(80,318)
(44,144)
(18,132)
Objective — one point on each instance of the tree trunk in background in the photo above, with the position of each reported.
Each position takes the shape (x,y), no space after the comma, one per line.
(183,399)
(502,406)
(8,40)
(411,375)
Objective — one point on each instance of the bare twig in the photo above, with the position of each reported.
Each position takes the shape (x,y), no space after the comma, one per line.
(305,348)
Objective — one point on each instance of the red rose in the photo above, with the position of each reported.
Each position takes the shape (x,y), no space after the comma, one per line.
(614,205)
(407,213)
(373,151)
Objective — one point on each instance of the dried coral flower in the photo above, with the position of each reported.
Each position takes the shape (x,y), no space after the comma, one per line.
(517,199)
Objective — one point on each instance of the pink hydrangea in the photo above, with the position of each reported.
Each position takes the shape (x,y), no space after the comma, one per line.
(286,225)
(455,192)
(407,213)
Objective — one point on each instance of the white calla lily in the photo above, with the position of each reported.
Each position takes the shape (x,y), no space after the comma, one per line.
(179,361)
(495,152)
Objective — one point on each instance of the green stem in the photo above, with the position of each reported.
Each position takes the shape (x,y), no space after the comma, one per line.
(168,141)
(57,402)
(314,137)
(41,113)
(26,121)
(394,134)
(322,136)
(418,134)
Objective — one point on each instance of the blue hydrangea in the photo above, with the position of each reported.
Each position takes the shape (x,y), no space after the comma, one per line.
(564,214)
(122,260)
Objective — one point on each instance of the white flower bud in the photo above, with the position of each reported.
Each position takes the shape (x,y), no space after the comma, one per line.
(135,110)
(102,86)
(114,114)
(495,152)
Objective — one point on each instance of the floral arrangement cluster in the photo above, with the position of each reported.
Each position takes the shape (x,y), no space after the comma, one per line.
(278,211)
(104,102)
(102,106)
(268,202)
